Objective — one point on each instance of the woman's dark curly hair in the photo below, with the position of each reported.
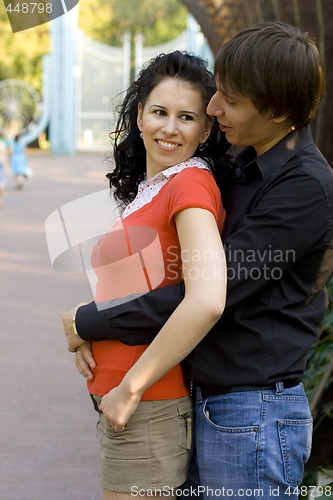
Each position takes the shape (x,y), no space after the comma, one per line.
(129,151)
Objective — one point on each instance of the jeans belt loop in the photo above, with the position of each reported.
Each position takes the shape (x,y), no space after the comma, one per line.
(197,395)
(279,387)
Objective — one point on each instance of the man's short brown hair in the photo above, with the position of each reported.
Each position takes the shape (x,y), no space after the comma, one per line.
(277,66)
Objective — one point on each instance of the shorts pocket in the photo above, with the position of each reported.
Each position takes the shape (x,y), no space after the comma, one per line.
(185,424)
(185,431)
(295,440)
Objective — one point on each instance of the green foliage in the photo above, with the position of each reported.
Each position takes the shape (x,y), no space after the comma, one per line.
(103,20)
(319,358)
(320,485)
(21,53)
(158,20)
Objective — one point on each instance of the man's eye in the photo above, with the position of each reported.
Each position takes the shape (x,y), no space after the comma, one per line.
(230,101)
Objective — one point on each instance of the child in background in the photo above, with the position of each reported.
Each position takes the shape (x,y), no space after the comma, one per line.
(18,162)
(3,160)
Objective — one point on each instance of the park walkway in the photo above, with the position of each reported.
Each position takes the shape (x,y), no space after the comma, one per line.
(48,448)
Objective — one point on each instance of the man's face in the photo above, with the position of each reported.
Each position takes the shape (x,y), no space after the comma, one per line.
(242,123)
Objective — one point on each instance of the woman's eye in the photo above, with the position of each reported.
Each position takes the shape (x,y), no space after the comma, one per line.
(187,117)
(160,112)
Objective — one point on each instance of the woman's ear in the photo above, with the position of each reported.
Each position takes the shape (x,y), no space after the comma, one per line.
(139,118)
(207,131)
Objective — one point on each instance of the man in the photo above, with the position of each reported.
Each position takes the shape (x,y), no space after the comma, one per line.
(253,425)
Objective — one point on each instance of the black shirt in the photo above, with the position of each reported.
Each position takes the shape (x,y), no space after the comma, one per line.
(278,239)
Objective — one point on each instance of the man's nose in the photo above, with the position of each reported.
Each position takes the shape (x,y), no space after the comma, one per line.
(214,107)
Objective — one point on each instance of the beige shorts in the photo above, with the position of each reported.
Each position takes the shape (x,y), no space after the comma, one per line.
(154,450)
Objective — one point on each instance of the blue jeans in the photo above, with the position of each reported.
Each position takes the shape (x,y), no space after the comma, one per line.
(250,444)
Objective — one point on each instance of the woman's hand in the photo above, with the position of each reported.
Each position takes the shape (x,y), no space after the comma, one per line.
(74,341)
(84,361)
(118,406)
(202,306)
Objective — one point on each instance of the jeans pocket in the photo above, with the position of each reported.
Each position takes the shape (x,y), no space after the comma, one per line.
(215,417)
(227,449)
(295,441)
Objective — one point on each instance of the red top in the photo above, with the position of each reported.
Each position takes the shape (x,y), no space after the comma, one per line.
(140,253)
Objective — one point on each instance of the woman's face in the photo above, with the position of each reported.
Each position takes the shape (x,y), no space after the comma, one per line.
(173,122)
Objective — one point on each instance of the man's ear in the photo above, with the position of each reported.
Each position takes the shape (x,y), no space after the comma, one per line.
(280,119)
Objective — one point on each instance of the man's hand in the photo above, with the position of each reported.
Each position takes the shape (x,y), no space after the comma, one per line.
(74,341)
(84,361)
(118,406)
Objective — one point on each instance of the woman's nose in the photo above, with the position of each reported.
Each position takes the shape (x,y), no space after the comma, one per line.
(170,127)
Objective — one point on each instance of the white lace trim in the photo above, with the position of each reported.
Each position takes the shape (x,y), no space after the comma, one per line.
(148,189)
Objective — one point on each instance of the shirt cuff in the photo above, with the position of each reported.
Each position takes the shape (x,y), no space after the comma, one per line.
(90,322)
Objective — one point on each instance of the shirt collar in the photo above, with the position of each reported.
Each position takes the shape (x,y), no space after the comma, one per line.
(175,169)
(277,156)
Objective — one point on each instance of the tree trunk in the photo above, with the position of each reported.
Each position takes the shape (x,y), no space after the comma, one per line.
(220,19)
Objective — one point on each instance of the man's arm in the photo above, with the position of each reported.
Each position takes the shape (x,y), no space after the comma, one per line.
(134,322)
(279,223)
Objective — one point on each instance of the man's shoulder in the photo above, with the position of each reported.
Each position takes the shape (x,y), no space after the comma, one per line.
(313,165)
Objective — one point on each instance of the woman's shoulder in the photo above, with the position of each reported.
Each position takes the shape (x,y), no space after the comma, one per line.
(195,176)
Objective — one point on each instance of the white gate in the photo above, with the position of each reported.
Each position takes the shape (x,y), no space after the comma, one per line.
(102,75)
(144,54)
(191,40)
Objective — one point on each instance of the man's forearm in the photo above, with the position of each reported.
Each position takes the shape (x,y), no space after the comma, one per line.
(134,322)
(138,321)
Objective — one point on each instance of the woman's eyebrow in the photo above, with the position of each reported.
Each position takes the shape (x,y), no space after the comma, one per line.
(181,111)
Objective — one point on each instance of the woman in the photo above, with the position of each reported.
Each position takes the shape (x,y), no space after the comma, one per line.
(165,153)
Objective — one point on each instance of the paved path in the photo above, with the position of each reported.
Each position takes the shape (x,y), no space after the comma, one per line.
(48,448)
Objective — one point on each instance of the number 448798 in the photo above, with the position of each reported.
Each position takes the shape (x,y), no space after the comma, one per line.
(304,491)
(29,8)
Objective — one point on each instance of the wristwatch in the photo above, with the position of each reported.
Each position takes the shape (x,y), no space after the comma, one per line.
(74,325)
